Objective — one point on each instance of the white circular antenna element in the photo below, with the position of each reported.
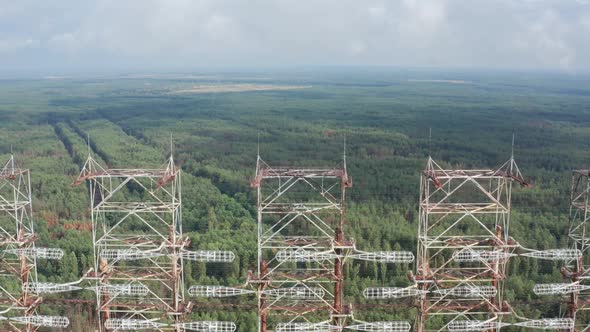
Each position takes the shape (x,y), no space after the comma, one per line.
(211,256)
(208,326)
(43,321)
(122,324)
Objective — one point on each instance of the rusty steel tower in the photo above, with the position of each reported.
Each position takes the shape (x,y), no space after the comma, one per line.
(577,270)
(19,288)
(580,215)
(300,215)
(302,248)
(139,249)
(576,291)
(463,247)
(138,242)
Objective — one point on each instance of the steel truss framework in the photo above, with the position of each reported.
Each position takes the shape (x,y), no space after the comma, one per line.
(18,254)
(138,244)
(463,246)
(301,251)
(300,243)
(577,270)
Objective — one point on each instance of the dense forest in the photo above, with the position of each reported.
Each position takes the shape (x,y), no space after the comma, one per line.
(386,115)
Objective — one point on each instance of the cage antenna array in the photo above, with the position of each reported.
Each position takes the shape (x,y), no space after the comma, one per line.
(464,245)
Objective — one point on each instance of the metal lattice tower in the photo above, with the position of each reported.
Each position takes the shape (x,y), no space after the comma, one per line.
(138,246)
(301,251)
(577,269)
(463,247)
(300,244)
(580,213)
(18,257)
(577,288)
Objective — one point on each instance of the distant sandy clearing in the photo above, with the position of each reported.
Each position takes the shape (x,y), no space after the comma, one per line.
(210,88)
(442,81)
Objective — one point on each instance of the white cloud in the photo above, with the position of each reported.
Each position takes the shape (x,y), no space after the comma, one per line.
(64,42)
(219,28)
(546,41)
(377,11)
(357,48)
(500,33)
(15,45)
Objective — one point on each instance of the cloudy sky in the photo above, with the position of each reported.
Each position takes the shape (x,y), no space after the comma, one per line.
(175,34)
